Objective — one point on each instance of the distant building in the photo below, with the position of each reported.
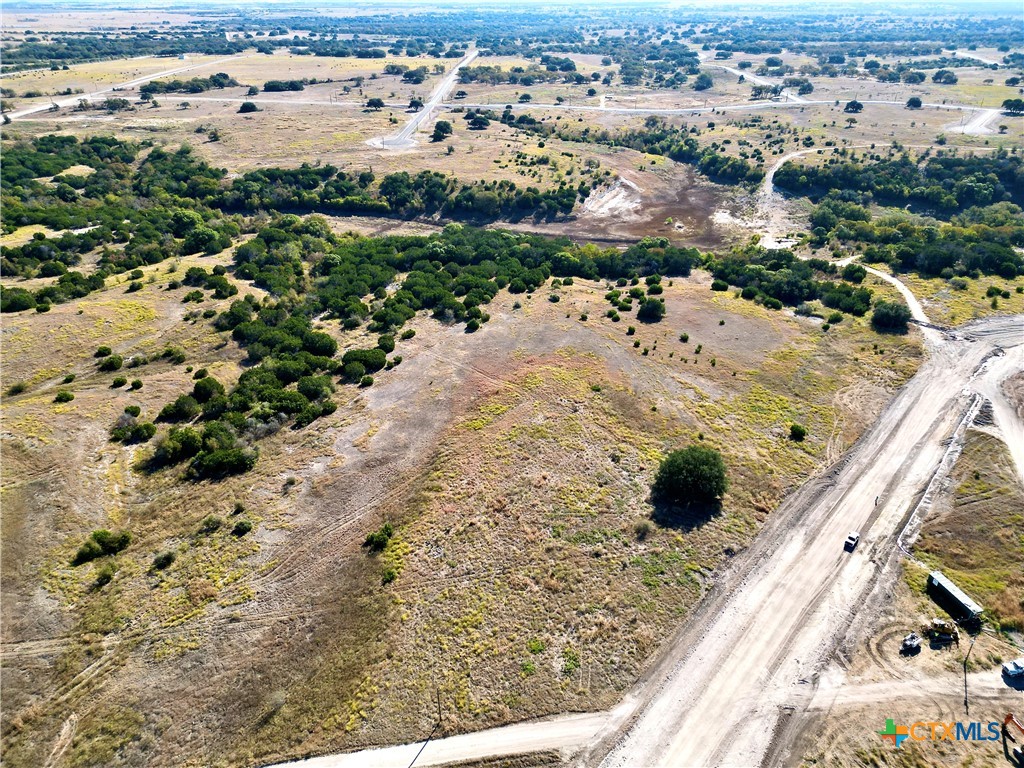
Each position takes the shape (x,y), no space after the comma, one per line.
(952,599)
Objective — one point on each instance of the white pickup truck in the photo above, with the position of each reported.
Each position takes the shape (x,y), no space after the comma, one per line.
(1015,668)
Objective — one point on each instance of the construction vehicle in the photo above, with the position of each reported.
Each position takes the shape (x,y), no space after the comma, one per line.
(1011,719)
(911,644)
(942,632)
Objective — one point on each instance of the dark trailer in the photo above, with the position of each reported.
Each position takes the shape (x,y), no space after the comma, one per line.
(953,599)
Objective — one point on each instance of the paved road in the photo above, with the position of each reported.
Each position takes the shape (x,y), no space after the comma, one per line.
(105,92)
(979,124)
(404,138)
(743,106)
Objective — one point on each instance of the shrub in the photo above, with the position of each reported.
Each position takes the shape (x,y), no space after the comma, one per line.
(719,285)
(354,371)
(118,382)
(693,474)
(185,408)
(63,396)
(17,388)
(386,343)
(127,430)
(651,311)
(630,331)
(797,432)
(835,318)
(102,352)
(69,378)
(132,410)
(163,560)
(210,524)
(111,363)
(100,543)
(890,317)
(366,381)
(407,334)
(137,384)
(202,373)
(221,462)
(105,574)
(241,528)
(206,388)
(180,444)
(248,106)
(372,359)
(377,540)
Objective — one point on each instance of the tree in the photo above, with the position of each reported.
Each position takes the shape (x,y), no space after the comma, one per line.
(1014,106)
(944,77)
(914,102)
(416,103)
(703,82)
(116,104)
(442,128)
(375,104)
(248,106)
(890,317)
(253,90)
(651,311)
(693,474)
(853,106)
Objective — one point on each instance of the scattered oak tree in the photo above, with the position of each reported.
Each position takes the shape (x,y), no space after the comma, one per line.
(692,475)
(890,317)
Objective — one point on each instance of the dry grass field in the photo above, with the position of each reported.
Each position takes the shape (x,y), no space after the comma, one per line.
(521,584)
(529,573)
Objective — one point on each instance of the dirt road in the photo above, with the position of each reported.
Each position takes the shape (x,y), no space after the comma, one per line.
(105,92)
(984,686)
(567,733)
(776,617)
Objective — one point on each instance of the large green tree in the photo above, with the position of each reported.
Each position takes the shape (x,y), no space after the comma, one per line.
(691,475)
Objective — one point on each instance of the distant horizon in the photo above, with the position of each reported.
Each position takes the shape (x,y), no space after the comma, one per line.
(826,7)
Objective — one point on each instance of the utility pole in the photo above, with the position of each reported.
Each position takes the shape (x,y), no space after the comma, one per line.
(967,705)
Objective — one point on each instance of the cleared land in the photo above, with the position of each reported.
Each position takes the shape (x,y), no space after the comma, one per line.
(526,577)
(460,406)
